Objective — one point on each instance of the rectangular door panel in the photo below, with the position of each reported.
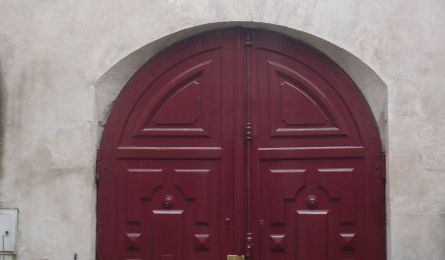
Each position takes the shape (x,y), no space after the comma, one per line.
(175,208)
(309,208)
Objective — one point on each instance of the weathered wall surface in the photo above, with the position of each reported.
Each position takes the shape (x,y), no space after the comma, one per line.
(54,55)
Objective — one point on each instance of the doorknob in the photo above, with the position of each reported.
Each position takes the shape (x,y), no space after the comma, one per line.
(235,257)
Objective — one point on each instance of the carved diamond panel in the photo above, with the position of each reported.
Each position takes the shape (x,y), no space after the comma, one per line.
(277,242)
(347,241)
(202,242)
(133,241)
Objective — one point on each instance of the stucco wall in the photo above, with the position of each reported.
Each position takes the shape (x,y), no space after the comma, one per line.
(54,59)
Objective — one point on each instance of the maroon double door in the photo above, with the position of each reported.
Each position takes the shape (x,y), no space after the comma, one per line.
(241,142)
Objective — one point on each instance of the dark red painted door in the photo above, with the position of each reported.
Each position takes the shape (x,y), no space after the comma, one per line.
(240,142)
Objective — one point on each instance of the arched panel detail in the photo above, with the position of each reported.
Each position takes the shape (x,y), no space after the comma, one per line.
(179,107)
(294,98)
(302,103)
(188,98)
(183,101)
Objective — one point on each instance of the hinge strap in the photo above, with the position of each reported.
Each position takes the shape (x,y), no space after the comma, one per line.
(100,166)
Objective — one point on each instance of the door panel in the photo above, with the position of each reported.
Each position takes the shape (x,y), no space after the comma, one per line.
(169,149)
(184,102)
(298,106)
(240,142)
(309,207)
(308,156)
(176,203)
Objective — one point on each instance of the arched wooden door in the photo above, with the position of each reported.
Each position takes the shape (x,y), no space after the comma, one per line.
(241,142)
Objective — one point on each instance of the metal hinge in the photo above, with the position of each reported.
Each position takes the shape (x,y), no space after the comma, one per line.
(97,178)
(380,167)
(248,42)
(383,165)
(249,245)
(100,166)
(248,132)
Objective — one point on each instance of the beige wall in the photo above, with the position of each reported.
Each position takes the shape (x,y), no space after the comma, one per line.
(63,62)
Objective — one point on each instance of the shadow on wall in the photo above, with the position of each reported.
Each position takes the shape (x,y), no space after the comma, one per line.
(370,84)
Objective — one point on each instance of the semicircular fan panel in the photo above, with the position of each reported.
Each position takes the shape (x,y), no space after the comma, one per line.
(300,107)
(180,106)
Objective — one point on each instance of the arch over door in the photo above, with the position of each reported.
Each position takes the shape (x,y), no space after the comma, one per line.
(240,142)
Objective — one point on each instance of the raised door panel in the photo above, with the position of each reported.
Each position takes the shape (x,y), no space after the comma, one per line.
(184,102)
(178,114)
(173,210)
(298,107)
(311,209)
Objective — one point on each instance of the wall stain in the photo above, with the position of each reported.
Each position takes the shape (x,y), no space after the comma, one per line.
(2,126)
(6,56)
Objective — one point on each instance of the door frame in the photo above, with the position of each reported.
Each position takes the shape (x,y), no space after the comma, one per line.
(376,141)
